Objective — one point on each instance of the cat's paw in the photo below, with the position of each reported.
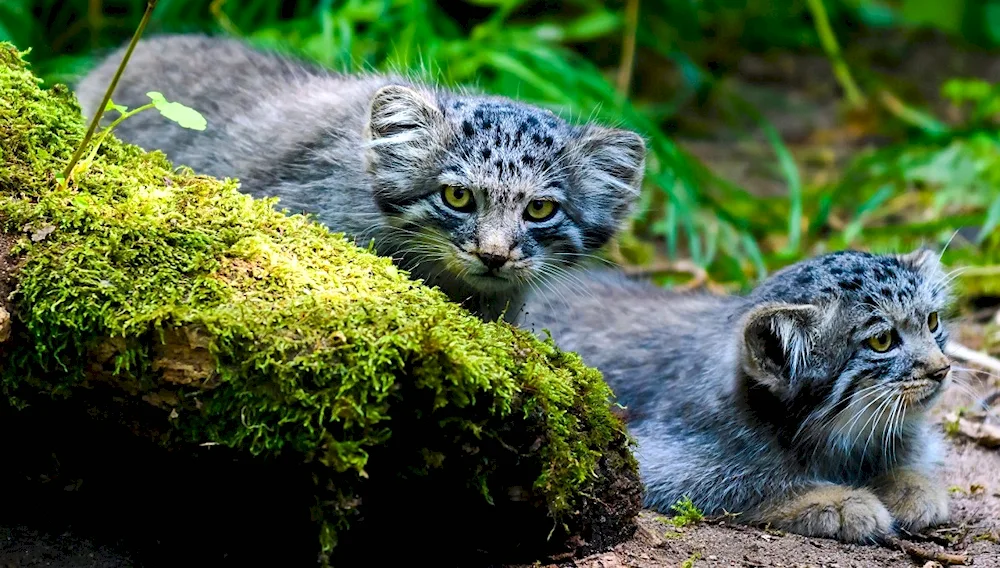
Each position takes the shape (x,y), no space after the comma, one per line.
(915,500)
(832,511)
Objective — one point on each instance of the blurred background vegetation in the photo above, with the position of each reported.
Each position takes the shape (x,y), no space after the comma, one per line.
(777,128)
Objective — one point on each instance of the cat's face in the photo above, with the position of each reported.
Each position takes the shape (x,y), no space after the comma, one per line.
(496,193)
(861,351)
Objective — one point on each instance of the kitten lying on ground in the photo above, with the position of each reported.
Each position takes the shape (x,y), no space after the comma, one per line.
(481,196)
(802,405)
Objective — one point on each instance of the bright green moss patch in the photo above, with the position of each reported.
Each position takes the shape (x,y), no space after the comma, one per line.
(265,333)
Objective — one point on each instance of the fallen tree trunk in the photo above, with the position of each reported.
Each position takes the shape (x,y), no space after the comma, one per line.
(157,315)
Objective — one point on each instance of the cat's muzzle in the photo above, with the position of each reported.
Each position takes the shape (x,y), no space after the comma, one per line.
(923,389)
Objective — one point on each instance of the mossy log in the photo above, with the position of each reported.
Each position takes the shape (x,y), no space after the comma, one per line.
(200,323)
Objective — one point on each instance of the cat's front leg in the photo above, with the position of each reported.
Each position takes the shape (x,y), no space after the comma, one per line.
(831,511)
(915,499)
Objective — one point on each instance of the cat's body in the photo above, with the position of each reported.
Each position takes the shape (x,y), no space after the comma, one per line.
(773,405)
(373,157)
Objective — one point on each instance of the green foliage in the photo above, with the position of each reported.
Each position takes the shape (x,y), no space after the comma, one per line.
(309,346)
(687,513)
(979,99)
(184,116)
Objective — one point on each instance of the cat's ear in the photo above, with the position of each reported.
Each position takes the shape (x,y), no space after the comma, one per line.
(777,340)
(922,259)
(609,164)
(405,128)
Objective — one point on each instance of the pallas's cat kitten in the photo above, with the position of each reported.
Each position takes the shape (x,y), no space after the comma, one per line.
(481,196)
(802,405)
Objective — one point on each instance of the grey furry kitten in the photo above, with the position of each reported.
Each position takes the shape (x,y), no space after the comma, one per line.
(481,196)
(802,405)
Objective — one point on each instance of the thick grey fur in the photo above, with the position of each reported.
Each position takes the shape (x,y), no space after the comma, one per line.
(747,403)
(368,155)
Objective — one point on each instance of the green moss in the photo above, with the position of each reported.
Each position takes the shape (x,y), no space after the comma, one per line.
(689,563)
(313,346)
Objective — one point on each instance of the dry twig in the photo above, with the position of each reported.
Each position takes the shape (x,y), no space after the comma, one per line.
(919,553)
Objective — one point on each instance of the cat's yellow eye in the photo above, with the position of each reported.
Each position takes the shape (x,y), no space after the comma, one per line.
(932,321)
(540,210)
(881,342)
(457,198)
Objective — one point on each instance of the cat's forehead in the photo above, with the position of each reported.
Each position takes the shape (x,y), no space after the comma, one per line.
(883,283)
(506,139)
(482,116)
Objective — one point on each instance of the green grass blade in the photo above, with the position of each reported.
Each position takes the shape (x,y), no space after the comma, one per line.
(791,172)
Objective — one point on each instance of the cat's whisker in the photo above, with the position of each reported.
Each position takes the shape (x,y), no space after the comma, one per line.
(964,387)
(585,256)
(860,395)
(834,438)
(952,276)
(868,416)
(896,420)
(947,244)
(975,371)
(885,429)
(535,287)
(565,277)
(875,419)
(548,286)
(825,420)
(978,397)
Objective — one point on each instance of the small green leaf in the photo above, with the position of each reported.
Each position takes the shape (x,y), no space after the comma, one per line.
(593,26)
(791,172)
(186,117)
(961,90)
(112,106)
(81,202)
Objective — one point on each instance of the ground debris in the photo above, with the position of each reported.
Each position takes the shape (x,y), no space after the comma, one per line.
(605,560)
(976,427)
(920,553)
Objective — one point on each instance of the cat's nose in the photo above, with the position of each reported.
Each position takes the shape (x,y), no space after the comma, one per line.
(492,261)
(939,374)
